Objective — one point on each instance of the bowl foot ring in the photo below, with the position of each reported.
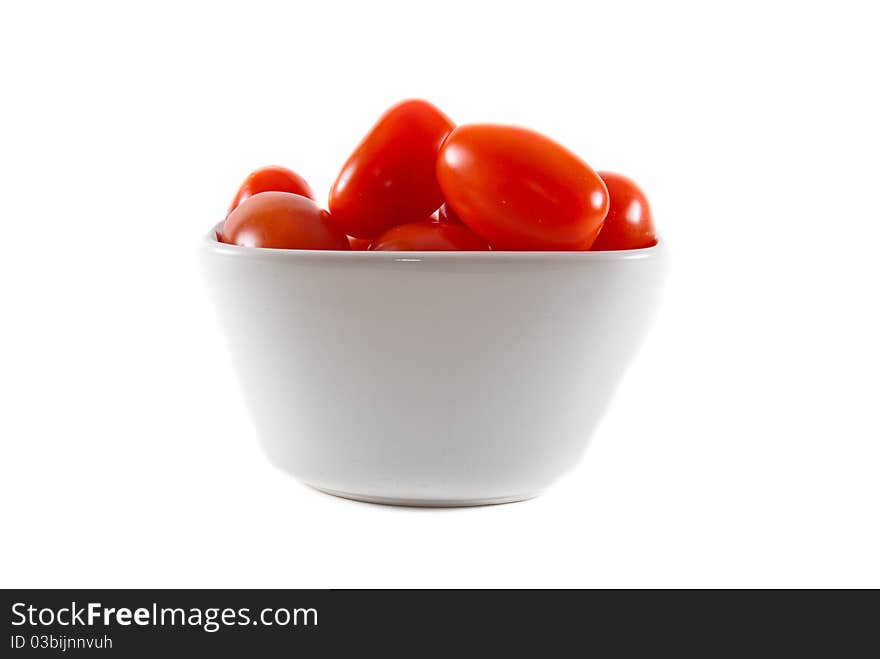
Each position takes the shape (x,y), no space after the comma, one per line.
(425,503)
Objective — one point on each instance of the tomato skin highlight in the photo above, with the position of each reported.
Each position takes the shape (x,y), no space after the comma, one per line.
(521,190)
(629,224)
(429,236)
(281,220)
(359,244)
(390,178)
(269,179)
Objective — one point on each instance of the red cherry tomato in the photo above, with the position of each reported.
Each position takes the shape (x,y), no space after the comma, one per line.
(281,220)
(446,214)
(429,236)
(390,178)
(359,244)
(629,224)
(274,178)
(521,190)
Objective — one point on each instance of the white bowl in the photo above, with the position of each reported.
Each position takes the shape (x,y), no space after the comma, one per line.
(430,378)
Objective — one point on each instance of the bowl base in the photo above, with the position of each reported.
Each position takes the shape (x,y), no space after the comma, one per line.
(425,503)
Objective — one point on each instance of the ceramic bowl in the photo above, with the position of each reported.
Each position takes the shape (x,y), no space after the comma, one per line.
(430,378)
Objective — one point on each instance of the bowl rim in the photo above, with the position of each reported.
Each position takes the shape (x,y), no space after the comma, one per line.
(212,244)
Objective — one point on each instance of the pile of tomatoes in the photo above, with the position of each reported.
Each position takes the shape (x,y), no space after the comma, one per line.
(419,182)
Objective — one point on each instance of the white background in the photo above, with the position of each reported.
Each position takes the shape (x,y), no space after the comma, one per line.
(742,449)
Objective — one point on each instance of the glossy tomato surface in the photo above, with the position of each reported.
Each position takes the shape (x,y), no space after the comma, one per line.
(629,224)
(268,179)
(282,220)
(430,236)
(521,190)
(391,178)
